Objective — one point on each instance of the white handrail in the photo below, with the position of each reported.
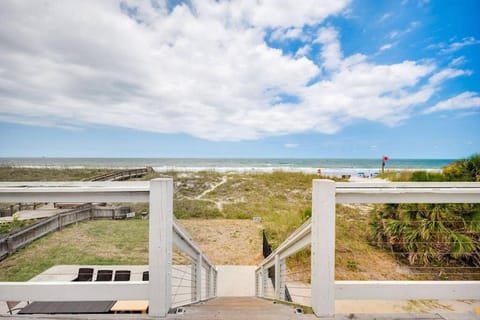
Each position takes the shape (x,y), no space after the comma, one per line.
(319,232)
(164,232)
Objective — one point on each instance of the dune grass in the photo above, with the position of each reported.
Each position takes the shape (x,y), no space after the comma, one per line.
(46,174)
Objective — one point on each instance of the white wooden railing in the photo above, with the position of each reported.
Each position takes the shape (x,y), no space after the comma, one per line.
(319,233)
(164,234)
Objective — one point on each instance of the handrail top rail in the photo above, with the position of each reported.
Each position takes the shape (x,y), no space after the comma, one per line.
(296,235)
(343,186)
(74,185)
(344,191)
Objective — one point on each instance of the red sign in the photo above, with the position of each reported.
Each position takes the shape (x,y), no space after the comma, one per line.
(385,158)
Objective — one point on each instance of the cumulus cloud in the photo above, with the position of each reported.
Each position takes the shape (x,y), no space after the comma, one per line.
(202,68)
(465,100)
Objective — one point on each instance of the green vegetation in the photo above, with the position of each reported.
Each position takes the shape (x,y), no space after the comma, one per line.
(102,242)
(45,174)
(433,234)
(283,202)
(15,225)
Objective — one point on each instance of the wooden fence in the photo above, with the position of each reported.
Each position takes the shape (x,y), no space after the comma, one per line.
(120,175)
(11,243)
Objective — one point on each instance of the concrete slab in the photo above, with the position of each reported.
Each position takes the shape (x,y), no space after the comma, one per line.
(236,281)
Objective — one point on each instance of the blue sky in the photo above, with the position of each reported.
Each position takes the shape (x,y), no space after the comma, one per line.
(303,79)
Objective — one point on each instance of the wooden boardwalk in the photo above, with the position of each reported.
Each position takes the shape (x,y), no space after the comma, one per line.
(250,308)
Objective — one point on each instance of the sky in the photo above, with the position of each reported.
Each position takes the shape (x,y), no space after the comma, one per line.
(240,79)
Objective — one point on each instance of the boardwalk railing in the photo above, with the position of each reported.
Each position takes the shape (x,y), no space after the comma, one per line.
(320,290)
(174,259)
(11,243)
(119,175)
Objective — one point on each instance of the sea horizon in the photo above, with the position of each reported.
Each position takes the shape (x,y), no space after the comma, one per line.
(328,166)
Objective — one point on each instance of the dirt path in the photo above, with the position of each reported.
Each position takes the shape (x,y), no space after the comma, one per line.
(227,241)
(204,193)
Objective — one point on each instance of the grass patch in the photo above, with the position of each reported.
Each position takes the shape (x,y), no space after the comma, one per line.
(10,227)
(103,242)
(45,174)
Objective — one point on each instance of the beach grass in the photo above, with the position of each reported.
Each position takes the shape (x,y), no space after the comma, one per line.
(47,174)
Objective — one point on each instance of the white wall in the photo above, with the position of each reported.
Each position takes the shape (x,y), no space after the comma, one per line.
(236,281)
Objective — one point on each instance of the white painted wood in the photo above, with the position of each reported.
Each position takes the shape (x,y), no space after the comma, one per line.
(408,196)
(193,249)
(182,245)
(73,291)
(399,290)
(74,191)
(415,185)
(323,248)
(160,246)
(140,185)
(277,277)
(401,192)
(299,245)
(198,274)
(297,236)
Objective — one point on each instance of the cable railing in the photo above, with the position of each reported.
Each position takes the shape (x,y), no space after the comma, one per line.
(305,261)
(178,271)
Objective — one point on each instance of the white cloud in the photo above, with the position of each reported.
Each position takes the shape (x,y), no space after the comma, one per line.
(465,100)
(422,3)
(284,13)
(458,61)
(303,51)
(331,53)
(203,69)
(385,17)
(457,45)
(291,145)
(398,33)
(286,34)
(447,74)
(387,46)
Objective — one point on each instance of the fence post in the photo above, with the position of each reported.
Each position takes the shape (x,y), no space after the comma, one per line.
(323,248)
(160,246)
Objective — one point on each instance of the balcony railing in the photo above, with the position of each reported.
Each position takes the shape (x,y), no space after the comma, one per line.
(171,249)
(321,290)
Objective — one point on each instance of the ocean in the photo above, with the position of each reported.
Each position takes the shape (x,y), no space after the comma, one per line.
(332,167)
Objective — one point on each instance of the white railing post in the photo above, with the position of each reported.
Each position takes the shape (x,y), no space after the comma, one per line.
(198,273)
(278,292)
(160,246)
(283,279)
(323,248)
(264,281)
(209,282)
(193,282)
(214,282)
